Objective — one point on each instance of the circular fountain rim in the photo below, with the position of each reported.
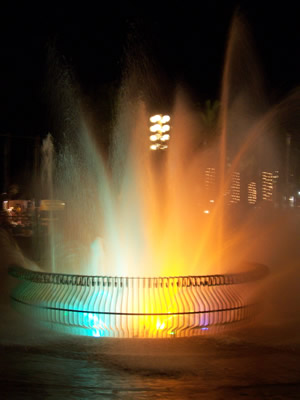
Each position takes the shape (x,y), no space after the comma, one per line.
(257,272)
(135,307)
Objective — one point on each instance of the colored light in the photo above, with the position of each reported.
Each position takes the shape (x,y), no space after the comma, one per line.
(103,306)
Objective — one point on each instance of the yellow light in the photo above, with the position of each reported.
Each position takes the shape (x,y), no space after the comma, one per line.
(154,146)
(206,211)
(165,128)
(165,118)
(155,118)
(153,138)
(155,128)
(165,137)
(211,201)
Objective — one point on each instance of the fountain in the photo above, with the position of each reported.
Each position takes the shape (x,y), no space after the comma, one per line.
(153,241)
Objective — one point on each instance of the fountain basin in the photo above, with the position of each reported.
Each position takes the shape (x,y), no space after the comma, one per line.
(137,307)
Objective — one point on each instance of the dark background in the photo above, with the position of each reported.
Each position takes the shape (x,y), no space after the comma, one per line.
(183,42)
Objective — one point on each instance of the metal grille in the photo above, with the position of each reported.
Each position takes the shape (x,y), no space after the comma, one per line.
(136,307)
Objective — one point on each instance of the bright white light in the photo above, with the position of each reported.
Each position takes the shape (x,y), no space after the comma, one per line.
(298,192)
(155,118)
(153,138)
(292,199)
(160,325)
(165,128)
(165,137)
(206,211)
(155,128)
(159,128)
(165,118)
(211,201)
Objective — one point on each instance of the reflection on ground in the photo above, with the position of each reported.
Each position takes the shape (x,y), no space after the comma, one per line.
(253,361)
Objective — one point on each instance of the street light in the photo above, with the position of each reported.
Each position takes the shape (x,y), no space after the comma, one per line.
(159,131)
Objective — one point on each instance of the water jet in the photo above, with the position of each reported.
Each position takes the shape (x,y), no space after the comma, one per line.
(147,238)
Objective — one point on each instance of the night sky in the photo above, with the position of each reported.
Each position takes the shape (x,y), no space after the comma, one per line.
(182,42)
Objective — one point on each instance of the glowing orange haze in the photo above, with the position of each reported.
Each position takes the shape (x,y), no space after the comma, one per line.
(152,215)
(165,228)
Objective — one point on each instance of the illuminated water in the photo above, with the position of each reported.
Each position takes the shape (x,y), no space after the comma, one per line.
(172,212)
(261,361)
(193,195)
